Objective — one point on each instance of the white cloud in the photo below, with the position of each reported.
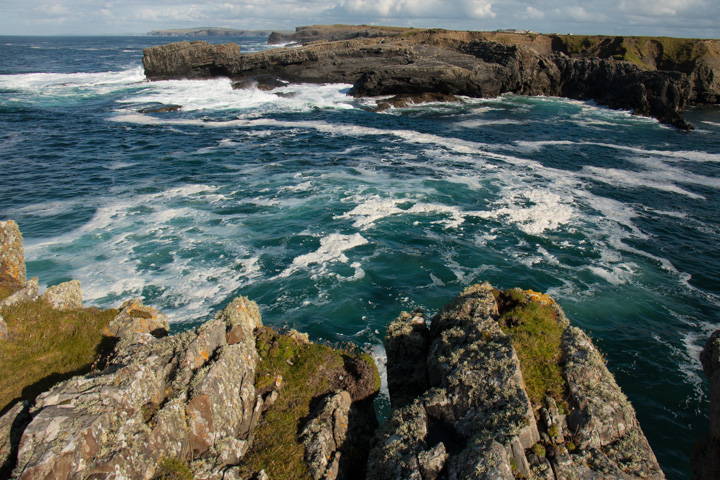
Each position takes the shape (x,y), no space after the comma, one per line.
(655,8)
(533,13)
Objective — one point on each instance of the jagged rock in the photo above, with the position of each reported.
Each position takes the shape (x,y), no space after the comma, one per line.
(134,319)
(12,255)
(12,423)
(406,100)
(154,401)
(706,454)
(478,413)
(323,436)
(28,293)
(64,296)
(406,344)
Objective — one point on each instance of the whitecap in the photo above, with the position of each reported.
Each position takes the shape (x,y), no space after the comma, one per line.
(332,249)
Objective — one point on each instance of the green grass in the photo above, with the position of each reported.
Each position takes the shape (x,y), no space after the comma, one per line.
(303,368)
(45,346)
(536,335)
(173,469)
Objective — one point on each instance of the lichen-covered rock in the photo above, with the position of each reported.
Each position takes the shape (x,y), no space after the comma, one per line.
(12,255)
(476,419)
(406,343)
(706,454)
(171,397)
(64,296)
(28,293)
(602,419)
(3,328)
(12,424)
(134,319)
(324,435)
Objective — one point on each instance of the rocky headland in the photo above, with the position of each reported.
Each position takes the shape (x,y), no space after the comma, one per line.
(656,77)
(209,32)
(498,384)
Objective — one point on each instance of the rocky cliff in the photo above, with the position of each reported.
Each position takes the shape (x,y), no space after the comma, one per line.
(497,385)
(390,61)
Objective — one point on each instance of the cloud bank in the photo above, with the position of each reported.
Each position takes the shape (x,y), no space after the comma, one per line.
(681,18)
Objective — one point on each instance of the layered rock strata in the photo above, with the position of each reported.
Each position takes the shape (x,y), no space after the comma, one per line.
(437,63)
(475,420)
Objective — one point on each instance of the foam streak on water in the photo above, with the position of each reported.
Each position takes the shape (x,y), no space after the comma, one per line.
(335,218)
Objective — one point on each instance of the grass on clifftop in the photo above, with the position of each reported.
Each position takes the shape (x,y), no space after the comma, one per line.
(305,370)
(536,335)
(45,346)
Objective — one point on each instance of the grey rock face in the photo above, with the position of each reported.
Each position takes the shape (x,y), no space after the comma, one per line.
(189,59)
(189,394)
(706,455)
(65,296)
(323,436)
(12,255)
(476,420)
(28,293)
(12,423)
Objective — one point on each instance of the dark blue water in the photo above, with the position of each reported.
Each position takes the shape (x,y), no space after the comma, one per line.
(334,218)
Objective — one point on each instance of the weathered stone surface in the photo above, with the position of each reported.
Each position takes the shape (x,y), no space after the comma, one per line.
(12,423)
(64,296)
(477,413)
(324,435)
(3,329)
(28,293)
(12,254)
(135,318)
(189,59)
(406,343)
(191,393)
(706,454)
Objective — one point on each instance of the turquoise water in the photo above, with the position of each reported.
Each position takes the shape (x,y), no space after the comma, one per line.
(334,218)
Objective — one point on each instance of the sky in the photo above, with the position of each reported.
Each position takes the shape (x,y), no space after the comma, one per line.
(678,18)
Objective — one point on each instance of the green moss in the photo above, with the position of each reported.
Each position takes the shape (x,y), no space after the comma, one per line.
(536,335)
(304,370)
(538,449)
(173,469)
(571,446)
(45,346)
(371,361)
(553,431)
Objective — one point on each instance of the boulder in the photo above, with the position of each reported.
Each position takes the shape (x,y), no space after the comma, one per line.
(12,255)
(65,296)
(135,318)
(12,423)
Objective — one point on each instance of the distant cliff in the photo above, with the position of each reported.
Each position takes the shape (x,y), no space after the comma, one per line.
(209,32)
(497,386)
(650,77)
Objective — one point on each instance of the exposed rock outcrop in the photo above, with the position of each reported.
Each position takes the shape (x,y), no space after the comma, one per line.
(406,62)
(706,455)
(12,255)
(64,296)
(476,419)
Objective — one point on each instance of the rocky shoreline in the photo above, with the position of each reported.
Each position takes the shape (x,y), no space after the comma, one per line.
(471,398)
(387,61)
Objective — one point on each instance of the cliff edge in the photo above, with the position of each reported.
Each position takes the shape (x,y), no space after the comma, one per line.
(650,81)
(497,385)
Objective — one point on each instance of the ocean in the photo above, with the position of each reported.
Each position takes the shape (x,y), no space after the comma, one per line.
(335,218)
